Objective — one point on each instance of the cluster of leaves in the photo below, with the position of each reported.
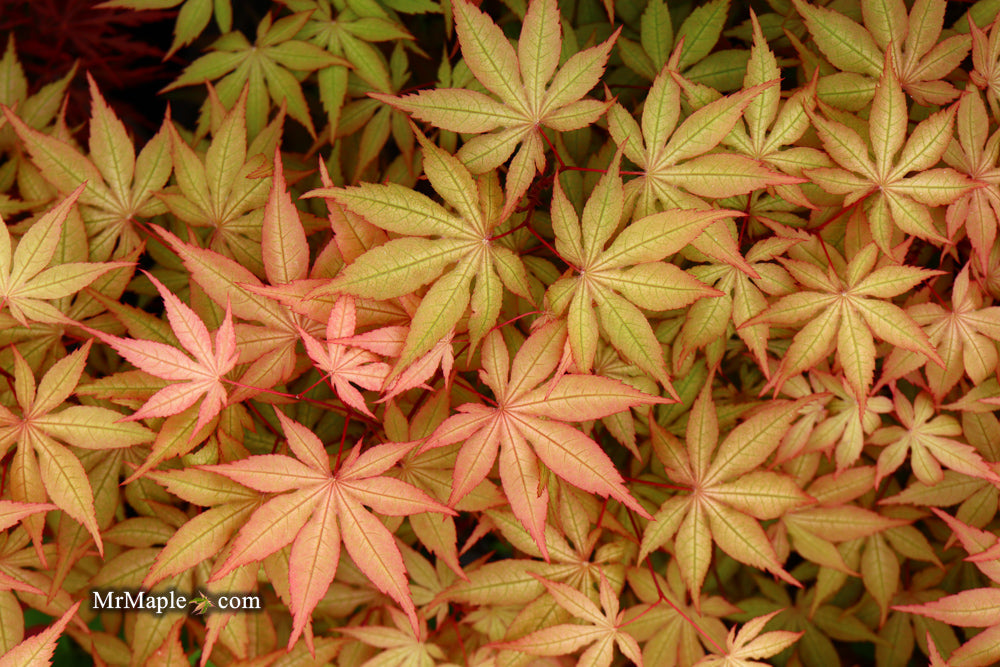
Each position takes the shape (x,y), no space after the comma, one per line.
(592,341)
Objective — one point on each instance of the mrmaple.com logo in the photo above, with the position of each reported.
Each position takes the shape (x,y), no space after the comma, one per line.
(158,603)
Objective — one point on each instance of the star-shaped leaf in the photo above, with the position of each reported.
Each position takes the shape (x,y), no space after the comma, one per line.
(317,509)
(528,411)
(846,310)
(192,379)
(119,185)
(344,365)
(265,65)
(26,285)
(728,495)
(624,277)
(533,90)
(433,238)
(893,199)
(602,629)
(42,467)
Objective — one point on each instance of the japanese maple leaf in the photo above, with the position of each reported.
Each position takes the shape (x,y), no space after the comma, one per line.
(847,306)
(26,285)
(928,439)
(42,467)
(974,153)
(624,277)
(728,494)
(519,80)
(467,241)
(265,66)
(528,413)
(201,377)
(603,629)
(678,162)
(985,73)
(965,336)
(220,190)
(743,648)
(893,200)
(911,40)
(342,364)
(772,127)
(36,111)
(119,185)
(317,509)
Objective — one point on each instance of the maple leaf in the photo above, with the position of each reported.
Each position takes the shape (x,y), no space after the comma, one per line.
(985,73)
(893,200)
(26,285)
(846,307)
(629,273)
(925,437)
(519,80)
(603,630)
(344,365)
(743,648)
(972,153)
(678,163)
(264,66)
(223,190)
(773,127)
(323,507)
(742,298)
(528,413)
(36,111)
(727,495)
(399,644)
(204,535)
(42,466)
(910,40)
(120,186)
(398,267)
(351,33)
(192,379)
(963,335)
(975,608)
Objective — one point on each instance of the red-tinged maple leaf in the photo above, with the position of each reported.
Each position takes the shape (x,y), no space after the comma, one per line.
(42,467)
(342,364)
(602,629)
(197,378)
(743,648)
(36,651)
(928,438)
(894,200)
(728,495)
(321,508)
(528,413)
(972,153)
(26,285)
(847,305)
(629,274)
(963,335)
